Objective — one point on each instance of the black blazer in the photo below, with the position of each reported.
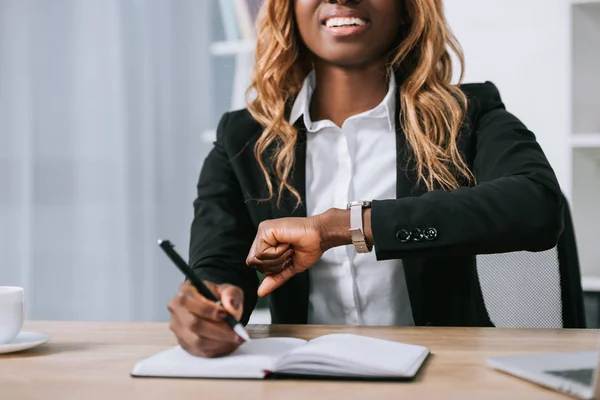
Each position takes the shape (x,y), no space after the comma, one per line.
(515,205)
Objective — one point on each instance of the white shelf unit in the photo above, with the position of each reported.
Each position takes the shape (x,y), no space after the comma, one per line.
(585,139)
(243,53)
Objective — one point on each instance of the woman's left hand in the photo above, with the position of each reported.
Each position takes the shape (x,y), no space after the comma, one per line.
(285,247)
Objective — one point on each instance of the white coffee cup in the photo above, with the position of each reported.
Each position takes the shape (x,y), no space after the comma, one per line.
(11,313)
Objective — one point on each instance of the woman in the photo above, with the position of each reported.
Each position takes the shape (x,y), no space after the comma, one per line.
(360,180)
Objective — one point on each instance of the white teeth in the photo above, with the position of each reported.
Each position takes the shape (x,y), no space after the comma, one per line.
(335,22)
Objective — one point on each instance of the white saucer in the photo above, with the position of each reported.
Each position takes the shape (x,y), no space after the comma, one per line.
(25,340)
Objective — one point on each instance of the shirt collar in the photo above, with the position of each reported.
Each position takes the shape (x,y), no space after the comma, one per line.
(385,109)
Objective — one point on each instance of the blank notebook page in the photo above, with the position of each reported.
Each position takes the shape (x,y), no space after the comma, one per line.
(250,360)
(355,355)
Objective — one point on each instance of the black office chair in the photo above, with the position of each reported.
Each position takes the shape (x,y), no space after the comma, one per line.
(535,289)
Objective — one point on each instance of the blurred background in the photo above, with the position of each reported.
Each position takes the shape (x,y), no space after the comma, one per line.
(107,111)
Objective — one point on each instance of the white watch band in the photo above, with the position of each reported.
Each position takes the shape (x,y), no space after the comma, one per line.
(356,225)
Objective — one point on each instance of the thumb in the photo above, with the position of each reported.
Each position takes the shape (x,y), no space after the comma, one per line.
(272,282)
(232,299)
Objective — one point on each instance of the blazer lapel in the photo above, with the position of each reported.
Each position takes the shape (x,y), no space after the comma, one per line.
(406,186)
(288,206)
(295,292)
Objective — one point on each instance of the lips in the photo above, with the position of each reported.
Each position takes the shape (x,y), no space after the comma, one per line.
(345,22)
(336,22)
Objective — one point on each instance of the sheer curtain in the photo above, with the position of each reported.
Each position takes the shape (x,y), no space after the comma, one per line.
(102,105)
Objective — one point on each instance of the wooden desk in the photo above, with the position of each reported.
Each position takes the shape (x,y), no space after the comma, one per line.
(93,361)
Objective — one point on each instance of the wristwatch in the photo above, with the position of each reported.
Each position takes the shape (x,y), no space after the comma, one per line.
(356,225)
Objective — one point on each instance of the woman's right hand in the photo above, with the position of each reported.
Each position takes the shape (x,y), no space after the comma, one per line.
(199,324)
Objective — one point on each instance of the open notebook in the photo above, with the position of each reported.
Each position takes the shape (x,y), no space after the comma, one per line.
(335,355)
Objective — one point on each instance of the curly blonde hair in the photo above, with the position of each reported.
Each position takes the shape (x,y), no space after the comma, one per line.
(432,108)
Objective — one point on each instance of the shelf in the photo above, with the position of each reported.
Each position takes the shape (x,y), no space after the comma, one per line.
(590,283)
(577,2)
(586,140)
(260,317)
(584,208)
(228,48)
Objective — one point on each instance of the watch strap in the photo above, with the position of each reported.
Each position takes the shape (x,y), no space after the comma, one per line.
(356,226)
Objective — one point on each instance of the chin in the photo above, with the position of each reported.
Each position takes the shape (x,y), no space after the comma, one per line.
(348,55)
(347,60)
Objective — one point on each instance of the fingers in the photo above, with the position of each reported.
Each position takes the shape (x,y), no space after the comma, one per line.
(274,265)
(232,299)
(263,251)
(274,252)
(199,324)
(208,329)
(198,305)
(275,262)
(200,340)
(272,282)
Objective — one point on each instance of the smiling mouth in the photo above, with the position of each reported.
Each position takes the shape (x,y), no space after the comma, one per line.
(345,26)
(341,22)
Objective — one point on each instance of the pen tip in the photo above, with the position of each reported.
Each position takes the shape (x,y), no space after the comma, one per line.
(239,329)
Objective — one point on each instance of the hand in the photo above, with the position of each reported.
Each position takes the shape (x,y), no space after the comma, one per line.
(285,247)
(199,324)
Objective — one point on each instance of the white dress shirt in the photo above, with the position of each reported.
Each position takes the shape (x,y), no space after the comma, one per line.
(354,162)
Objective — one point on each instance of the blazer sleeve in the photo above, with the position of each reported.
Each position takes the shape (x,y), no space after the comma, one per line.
(222,231)
(516,204)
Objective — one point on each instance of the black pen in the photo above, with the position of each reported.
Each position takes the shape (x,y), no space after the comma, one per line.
(200,287)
